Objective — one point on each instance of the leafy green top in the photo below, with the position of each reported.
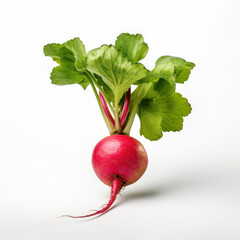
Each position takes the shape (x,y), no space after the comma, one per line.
(112,70)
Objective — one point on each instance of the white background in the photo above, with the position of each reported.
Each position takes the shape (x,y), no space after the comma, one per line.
(191,189)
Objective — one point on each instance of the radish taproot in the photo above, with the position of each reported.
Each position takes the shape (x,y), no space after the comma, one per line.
(119,160)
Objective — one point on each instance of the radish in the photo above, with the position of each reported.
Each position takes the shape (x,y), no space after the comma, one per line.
(119,156)
(119,160)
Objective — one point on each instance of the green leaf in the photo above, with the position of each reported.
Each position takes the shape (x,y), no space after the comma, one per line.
(67,74)
(163,87)
(162,113)
(52,50)
(173,109)
(78,50)
(164,71)
(163,78)
(115,69)
(72,50)
(182,68)
(160,87)
(150,119)
(71,56)
(167,72)
(66,55)
(133,46)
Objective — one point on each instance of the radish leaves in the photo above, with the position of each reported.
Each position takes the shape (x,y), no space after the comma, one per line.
(133,46)
(113,69)
(71,57)
(182,68)
(162,113)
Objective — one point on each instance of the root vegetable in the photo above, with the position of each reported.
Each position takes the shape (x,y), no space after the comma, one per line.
(120,160)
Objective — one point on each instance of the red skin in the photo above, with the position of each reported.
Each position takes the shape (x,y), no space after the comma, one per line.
(119,155)
(118,160)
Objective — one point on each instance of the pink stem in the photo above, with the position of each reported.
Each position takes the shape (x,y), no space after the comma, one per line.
(125,108)
(105,108)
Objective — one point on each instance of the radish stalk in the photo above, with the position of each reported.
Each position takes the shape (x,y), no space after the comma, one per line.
(140,92)
(105,108)
(103,93)
(125,108)
(110,126)
(118,128)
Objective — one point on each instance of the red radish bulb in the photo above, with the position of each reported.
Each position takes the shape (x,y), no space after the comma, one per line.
(119,156)
(118,160)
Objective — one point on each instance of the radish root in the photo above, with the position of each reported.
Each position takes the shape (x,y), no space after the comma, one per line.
(117,184)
